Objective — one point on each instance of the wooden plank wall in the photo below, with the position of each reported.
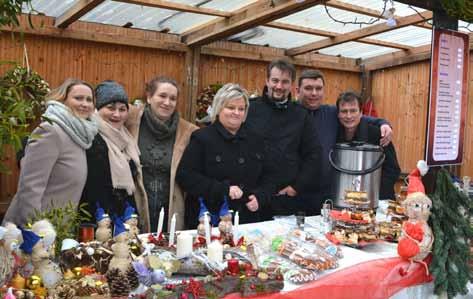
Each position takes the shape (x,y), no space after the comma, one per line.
(56,59)
(401,96)
(252,76)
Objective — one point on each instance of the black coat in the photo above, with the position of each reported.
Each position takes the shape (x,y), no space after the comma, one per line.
(290,140)
(390,172)
(98,187)
(214,160)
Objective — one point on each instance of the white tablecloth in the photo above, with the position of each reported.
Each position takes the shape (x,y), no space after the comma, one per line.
(352,256)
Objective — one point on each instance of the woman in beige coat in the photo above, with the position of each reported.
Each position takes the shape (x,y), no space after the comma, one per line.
(162,137)
(54,168)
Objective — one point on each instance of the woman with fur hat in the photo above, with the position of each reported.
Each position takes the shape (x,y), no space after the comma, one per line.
(114,179)
(54,168)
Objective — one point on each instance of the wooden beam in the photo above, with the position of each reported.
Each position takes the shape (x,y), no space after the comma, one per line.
(74,13)
(258,13)
(357,34)
(43,26)
(366,83)
(397,58)
(366,11)
(178,7)
(192,69)
(312,60)
(102,34)
(312,31)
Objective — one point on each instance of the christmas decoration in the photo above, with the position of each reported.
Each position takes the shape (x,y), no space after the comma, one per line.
(65,220)
(204,101)
(225,226)
(44,267)
(104,232)
(132,277)
(121,252)
(450,222)
(131,219)
(416,239)
(118,283)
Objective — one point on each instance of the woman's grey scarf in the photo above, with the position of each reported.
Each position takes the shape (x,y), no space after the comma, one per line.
(81,131)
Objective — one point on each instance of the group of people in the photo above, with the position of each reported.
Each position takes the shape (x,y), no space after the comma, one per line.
(265,156)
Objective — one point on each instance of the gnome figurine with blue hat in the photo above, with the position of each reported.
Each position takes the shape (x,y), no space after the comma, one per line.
(103,232)
(225,225)
(203,211)
(44,267)
(131,219)
(121,252)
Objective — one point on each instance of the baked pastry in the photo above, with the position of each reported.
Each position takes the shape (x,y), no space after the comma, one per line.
(356,198)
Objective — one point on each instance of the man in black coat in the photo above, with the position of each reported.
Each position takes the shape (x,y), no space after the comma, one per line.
(289,137)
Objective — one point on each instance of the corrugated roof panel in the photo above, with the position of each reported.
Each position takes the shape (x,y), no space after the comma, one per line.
(114,13)
(52,8)
(316,17)
(410,35)
(356,50)
(280,38)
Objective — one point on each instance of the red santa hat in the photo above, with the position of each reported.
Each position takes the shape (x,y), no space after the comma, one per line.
(415,178)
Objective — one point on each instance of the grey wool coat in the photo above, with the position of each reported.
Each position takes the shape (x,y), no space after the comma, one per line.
(53,172)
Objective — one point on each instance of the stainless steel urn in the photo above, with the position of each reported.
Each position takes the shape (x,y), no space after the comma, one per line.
(357,168)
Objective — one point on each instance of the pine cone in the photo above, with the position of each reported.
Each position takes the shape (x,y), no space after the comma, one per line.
(118,283)
(132,276)
(64,291)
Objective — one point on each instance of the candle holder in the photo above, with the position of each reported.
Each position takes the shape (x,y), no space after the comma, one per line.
(233,266)
(86,232)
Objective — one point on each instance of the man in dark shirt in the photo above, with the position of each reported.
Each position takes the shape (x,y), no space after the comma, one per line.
(354,128)
(310,93)
(290,139)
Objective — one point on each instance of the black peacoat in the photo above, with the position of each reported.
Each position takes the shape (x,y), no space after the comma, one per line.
(214,160)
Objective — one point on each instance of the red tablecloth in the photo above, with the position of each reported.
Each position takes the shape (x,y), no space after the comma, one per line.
(376,279)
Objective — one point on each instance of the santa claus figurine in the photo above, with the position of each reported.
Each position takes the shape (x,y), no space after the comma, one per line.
(416,240)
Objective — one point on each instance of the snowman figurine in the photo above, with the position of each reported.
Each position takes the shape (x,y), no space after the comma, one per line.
(121,252)
(225,225)
(203,212)
(44,267)
(103,232)
(131,220)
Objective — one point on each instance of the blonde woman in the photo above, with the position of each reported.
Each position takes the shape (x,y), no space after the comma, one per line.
(226,160)
(54,168)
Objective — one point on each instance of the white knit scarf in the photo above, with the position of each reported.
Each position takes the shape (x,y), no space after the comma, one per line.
(82,131)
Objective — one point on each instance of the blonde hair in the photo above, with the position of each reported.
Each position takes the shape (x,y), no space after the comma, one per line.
(226,93)
(61,92)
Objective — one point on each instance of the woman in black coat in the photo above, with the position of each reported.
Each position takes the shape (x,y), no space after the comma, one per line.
(226,160)
(114,171)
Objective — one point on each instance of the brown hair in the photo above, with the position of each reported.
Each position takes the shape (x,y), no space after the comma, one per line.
(152,85)
(311,74)
(347,97)
(284,65)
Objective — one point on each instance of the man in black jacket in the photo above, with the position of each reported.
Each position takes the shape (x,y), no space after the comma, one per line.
(290,141)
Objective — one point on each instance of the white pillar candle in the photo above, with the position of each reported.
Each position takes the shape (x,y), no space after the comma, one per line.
(184,245)
(172,231)
(215,252)
(160,221)
(207,228)
(236,223)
